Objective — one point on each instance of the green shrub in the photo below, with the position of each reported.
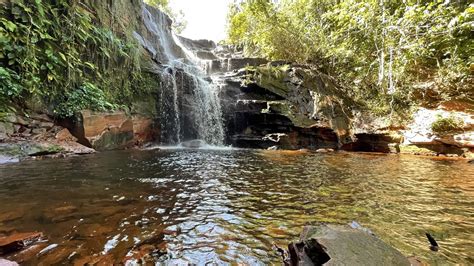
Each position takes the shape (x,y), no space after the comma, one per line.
(445,125)
(88,96)
(9,87)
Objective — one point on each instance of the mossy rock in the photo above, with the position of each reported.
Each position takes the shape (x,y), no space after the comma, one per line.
(20,150)
(284,108)
(311,97)
(414,149)
(112,140)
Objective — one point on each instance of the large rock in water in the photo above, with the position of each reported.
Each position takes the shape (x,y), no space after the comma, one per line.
(328,244)
(311,98)
(104,131)
(112,130)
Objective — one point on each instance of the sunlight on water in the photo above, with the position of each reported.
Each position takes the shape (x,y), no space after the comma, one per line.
(230,206)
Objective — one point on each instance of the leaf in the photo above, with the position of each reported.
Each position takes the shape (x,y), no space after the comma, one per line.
(63,57)
(9,25)
(92,66)
(39,6)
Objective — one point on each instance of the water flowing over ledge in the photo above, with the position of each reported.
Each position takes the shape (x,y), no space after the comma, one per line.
(189,103)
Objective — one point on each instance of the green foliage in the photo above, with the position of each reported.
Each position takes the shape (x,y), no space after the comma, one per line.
(9,87)
(383,52)
(53,50)
(444,125)
(87,96)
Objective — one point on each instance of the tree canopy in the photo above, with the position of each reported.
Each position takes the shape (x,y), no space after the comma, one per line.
(373,47)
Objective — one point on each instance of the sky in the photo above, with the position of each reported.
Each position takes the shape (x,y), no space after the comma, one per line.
(206,18)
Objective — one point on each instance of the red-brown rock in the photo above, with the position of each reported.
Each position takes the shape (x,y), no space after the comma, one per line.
(65,135)
(18,241)
(142,129)
(105,131)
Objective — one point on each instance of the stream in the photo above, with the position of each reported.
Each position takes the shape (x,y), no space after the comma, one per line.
(230,206)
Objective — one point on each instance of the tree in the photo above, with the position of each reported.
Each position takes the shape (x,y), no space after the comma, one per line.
(378,49)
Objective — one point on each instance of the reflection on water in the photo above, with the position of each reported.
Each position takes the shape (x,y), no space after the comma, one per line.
(231,205)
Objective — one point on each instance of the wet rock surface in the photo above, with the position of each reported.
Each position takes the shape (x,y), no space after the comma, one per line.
(18,241)
(308,110)
(257,117)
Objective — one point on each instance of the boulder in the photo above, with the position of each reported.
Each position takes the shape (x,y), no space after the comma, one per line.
(104,131)
(65,135)
(328,244)
(46,125)
(6,129)
(39,131)
(112,130)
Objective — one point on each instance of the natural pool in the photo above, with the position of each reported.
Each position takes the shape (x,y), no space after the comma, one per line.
(231,206)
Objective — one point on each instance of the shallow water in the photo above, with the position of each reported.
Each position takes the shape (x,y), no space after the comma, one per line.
(231,206)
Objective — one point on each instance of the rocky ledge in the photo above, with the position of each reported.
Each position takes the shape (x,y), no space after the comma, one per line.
(33,136)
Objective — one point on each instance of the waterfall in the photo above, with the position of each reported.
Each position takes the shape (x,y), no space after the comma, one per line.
(189,103)
(170,123)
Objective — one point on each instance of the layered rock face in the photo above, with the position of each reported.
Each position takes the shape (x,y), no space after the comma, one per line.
(266,104)
(288,106)
(260,116)
(112,130)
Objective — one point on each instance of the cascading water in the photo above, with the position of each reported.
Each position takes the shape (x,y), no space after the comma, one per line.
(169,105)
(209,112)
(189,103)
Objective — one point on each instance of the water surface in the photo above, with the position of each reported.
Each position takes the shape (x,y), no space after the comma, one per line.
(231,206)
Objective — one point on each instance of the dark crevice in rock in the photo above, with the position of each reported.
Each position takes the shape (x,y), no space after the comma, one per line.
(308,252)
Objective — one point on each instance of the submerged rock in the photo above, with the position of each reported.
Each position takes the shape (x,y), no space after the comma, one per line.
(18,241)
